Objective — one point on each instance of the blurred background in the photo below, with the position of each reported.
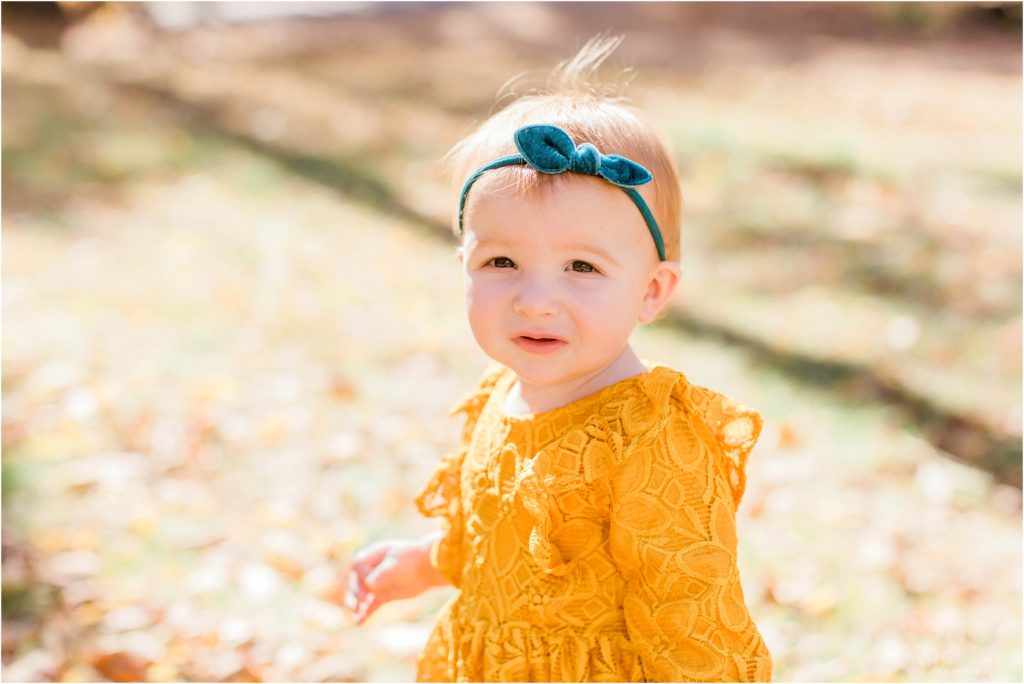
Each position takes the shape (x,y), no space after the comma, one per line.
(234,321)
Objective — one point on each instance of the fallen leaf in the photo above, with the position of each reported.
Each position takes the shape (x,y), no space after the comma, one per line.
(121,666)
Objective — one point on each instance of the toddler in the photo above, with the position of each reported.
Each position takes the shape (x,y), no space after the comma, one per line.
(589,511)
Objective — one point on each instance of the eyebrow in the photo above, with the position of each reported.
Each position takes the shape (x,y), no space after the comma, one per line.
(575,246)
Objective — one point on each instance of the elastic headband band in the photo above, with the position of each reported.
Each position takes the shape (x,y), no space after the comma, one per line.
(549,149)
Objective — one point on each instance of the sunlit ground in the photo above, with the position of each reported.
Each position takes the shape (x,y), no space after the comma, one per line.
(233,327)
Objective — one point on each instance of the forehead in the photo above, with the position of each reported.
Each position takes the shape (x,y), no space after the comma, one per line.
(569,210)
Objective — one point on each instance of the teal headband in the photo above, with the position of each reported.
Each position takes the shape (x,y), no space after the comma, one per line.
(549,149)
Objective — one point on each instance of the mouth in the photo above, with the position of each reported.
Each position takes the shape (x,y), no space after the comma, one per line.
(538,344)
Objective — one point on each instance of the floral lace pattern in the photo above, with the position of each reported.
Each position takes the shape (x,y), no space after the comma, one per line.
(596,541)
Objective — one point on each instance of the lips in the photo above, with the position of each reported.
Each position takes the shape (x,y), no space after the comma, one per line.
(539,343)
(541,337)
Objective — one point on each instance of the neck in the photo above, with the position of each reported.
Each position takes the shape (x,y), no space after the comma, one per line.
(525,398)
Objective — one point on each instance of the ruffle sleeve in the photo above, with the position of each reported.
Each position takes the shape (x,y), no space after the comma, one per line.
(672,534)
(442,495)
(734,428)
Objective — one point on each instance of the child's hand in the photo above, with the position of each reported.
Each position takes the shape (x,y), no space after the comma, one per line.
(389,570)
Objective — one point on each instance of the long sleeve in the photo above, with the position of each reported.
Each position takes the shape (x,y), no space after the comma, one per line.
(441,498)
(442,495)
(673,538)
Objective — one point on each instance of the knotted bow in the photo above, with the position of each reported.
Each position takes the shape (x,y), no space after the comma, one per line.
(549,149)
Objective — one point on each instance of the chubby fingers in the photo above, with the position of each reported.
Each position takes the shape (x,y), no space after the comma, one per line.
(376,594)
(356,578)
(355,590)
(365,594)
(371,601)
(366,607)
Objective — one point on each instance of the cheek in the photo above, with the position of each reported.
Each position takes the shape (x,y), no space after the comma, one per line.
(481,301)
(611,311)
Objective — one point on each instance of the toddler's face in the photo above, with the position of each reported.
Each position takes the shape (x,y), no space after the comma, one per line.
(574,263)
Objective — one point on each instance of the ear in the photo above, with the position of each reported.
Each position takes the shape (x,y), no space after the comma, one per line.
(661,285)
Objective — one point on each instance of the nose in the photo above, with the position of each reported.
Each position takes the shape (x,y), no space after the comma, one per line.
(534,299)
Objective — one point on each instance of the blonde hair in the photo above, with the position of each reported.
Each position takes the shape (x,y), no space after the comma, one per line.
(589,112)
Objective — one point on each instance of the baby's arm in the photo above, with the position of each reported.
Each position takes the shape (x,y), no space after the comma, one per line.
(389,570)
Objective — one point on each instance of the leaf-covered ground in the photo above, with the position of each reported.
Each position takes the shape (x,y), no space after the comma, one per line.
(233,326)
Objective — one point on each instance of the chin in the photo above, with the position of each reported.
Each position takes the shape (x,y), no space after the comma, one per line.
(538,372)
(544,372)
(532,376)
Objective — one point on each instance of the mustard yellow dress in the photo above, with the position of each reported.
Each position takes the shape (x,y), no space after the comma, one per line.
(595,541)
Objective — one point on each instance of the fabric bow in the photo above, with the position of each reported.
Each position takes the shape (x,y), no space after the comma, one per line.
(549,149)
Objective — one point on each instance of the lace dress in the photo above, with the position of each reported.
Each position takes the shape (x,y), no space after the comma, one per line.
(595,541)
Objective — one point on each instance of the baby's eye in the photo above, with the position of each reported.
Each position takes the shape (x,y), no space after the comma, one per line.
(500,261)
(584,267)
